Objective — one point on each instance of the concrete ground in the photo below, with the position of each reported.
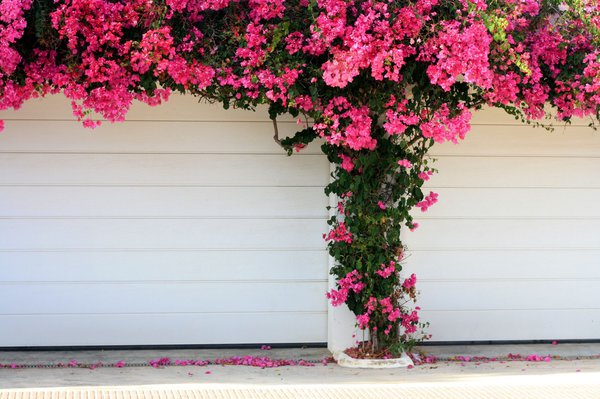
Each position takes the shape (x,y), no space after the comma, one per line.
(578,376)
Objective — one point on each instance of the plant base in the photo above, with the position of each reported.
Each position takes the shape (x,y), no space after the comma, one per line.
(344,360)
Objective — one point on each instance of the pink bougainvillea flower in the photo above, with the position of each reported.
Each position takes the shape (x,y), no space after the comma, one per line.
(363,321)
(350,283)
(405,163)
(339,234)
(425,175)
(428,201)
(347,125)
(387,270)
(410,282)
(347,163)
(299,147)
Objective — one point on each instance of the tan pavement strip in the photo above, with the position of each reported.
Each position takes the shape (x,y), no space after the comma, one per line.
(364,391)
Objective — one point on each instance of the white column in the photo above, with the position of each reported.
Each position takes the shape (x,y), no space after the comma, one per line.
(341,322)
(340,325)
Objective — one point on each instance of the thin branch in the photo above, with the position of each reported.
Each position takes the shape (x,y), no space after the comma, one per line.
(276,133)
(414,140)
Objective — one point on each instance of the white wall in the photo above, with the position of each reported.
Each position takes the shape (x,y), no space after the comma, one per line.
(512,249)
(186,224)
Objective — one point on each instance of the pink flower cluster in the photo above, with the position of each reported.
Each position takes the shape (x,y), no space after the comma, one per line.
(459,51)
(371,35)
(349,126)
(111,67)
(391,312)
(425,175)
(410,321)
(350,283)
(195,7)
(398,117)
(410,282)
(405,163)
(363,320)
(428,201)
(347,163)
(387,270)
(12,25)
(372,41)
(443,126)
(339,233)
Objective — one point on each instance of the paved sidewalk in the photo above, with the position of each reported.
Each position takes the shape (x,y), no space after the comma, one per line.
(455,379)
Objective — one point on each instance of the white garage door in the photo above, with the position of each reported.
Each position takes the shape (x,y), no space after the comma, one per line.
(185,225)
(512,249)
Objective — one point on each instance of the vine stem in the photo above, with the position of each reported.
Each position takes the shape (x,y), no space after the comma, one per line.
(276,133)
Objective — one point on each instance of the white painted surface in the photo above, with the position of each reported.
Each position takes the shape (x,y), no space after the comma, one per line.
(185,202)
(163,169)
(341,326)
(512,249)
(137,234)
(175,328)
(341,322)
(343,360)
(185,225)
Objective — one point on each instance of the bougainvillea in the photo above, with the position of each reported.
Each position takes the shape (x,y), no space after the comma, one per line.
(381,82)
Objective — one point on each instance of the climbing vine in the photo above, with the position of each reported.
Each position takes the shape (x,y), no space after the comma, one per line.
(381,82)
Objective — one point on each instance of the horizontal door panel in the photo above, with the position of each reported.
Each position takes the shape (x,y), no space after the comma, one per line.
(508,295)
(496,116)
(163,329)
(161,297)
(148,137)
(516,172)
(513,325)
(178,108)
(503,264)
(161,169)
(523,140)
(514,203)
(162,234)
(132,202)
(463,234)
(162,266)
